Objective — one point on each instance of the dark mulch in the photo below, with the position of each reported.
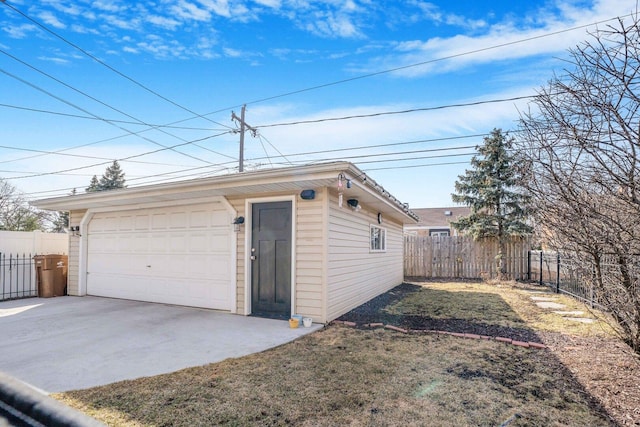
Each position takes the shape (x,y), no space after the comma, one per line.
(373,311)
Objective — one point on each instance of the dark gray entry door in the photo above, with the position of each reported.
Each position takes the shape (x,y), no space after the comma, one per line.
(271,259)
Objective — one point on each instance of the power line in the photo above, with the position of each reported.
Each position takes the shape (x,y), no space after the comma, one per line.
(272,146)
(121,159)
(411,110)
(224,165)
(415,166)
(78,116)
(392,144)
(95,100)
(109,67)
(82,109)
(82,156)
(419,64)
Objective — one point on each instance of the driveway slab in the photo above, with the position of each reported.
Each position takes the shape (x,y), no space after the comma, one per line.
(67,343)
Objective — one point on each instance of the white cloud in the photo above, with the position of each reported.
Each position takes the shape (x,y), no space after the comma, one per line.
(219,7)
(163,22)
(81,29)
(19,31)
(542,33)
(122,23)
(232,53)
(110,6)
(274,4)
(60,61)
(50,19)
(191,11)
(330,24)
(434,13)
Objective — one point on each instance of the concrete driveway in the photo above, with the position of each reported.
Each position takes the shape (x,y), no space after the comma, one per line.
(67,343)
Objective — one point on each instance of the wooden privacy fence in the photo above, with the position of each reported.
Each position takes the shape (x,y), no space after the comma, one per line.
(462,257)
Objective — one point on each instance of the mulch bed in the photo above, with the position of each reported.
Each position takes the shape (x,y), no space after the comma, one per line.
(373,312)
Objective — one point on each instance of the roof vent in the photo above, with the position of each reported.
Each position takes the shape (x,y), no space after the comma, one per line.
(447,213)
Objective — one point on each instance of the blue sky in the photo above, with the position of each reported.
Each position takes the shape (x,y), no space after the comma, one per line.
(96,81)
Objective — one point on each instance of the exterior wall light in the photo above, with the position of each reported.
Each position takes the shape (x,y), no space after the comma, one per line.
(237,223)
(354,204)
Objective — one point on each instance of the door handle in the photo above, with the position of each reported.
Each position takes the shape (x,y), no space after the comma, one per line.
(253,257)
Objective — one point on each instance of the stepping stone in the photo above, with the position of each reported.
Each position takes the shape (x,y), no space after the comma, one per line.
(580,319)
(549,298)
(569,313)
(548,304)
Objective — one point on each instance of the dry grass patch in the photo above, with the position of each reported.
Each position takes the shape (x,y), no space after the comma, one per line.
(344,376)
(512,306)
(362,377)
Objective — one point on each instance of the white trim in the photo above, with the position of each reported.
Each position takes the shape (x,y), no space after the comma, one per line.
(383,239)
(151,205)
(248,203)
(83,256)
(326,214)
(233,271)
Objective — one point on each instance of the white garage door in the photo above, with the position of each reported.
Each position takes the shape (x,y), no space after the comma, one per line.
(175,255)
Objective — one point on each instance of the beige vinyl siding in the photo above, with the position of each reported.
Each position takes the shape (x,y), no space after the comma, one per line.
(238,205)
(309,257)
(74,254)
(355,274)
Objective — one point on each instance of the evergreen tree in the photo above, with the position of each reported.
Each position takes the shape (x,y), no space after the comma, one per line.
(112,178)
(60,222)
(94,185)
(490,189)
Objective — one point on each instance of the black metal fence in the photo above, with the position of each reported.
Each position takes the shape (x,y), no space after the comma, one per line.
(17,277)
(564,274)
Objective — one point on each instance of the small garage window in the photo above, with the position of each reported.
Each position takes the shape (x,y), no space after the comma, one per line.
(378,239)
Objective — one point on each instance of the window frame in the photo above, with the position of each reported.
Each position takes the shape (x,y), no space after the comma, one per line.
(382,239)
(439,232)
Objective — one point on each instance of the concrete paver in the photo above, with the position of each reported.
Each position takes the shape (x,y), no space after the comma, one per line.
(581,319)
(550,304)
(66,343)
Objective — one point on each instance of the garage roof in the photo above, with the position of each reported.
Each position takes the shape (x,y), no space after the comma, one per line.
(298,178)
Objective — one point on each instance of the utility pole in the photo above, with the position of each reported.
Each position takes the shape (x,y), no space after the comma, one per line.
(243,127)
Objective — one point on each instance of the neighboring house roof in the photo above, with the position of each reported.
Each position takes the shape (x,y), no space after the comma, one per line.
(298,178)
(439,217)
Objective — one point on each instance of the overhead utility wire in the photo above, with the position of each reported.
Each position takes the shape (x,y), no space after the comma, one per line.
(418,64)
(101,103)
(415,166)
(308,153)
(412,110)
(99,61)
(78,116)
(272,146)
(81,156)
(384,160)
(64,191)
(223,167)
(390,144)
(82,109)
(121,159)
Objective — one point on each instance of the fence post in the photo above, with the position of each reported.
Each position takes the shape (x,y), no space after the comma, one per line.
(541,267)
(557,272)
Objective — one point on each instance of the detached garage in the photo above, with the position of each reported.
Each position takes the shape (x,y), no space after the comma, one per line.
(315,240)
